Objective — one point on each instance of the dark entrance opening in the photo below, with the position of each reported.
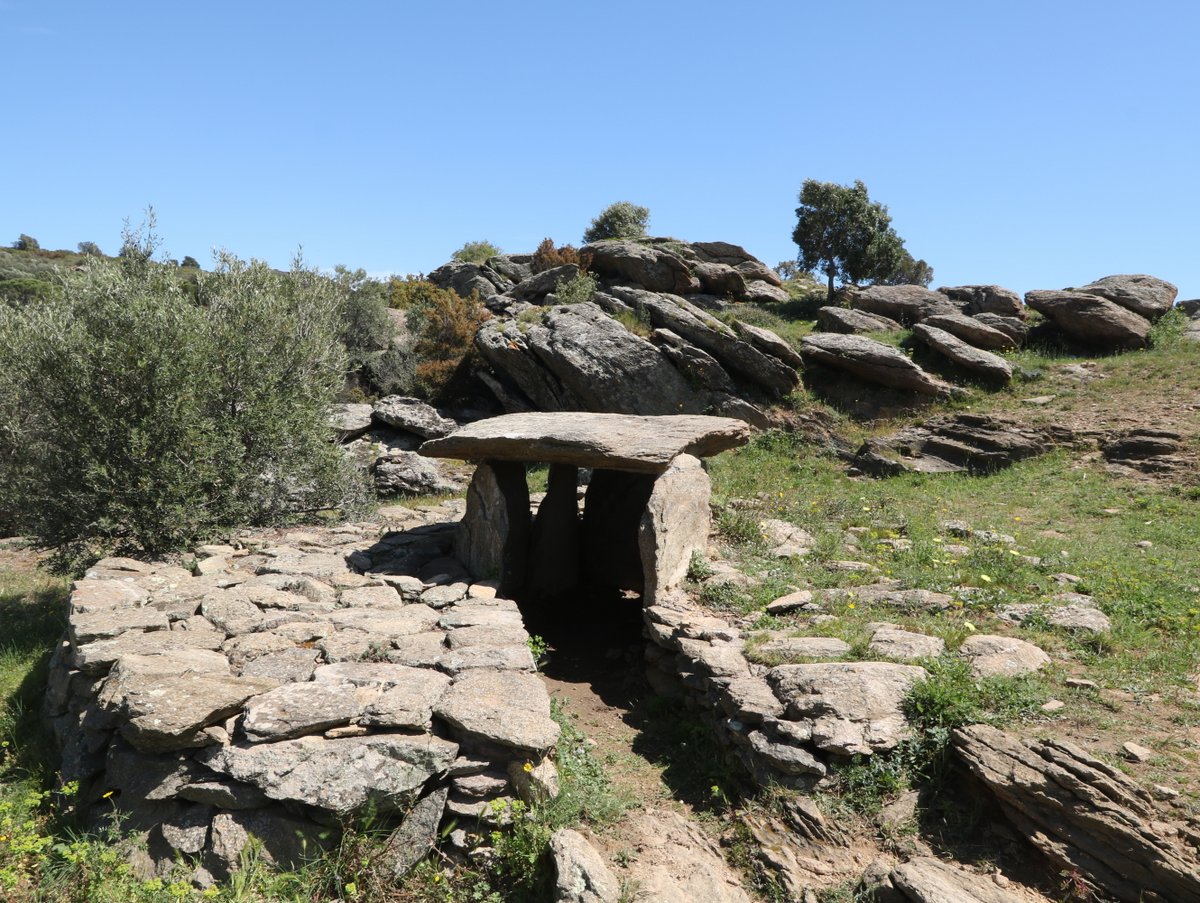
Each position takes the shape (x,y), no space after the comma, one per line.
(584,578)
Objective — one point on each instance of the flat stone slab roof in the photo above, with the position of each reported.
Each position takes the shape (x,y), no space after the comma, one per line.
(605,441)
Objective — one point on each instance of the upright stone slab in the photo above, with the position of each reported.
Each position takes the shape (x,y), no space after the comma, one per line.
(675,524)
(554,551)
(493,536)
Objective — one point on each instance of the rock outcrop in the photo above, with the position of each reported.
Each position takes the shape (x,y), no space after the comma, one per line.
(871,361)
(990,366)
(1085,815)
(1092,319)
(906,304)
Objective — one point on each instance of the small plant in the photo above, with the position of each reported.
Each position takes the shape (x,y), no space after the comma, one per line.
(475,252)
(739,527)
(539,648)
(577,290)
(547,257)
(698,567)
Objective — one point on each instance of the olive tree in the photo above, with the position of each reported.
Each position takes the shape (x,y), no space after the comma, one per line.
(619,220)
(137,417)
(849,238)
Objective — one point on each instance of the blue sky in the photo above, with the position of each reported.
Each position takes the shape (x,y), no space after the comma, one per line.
(1033,144)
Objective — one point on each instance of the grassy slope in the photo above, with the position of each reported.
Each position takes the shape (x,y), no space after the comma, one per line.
(1072,514)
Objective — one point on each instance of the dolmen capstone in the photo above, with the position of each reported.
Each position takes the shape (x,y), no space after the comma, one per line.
(646,508)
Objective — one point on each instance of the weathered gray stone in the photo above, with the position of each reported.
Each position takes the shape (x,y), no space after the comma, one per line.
(287,842)
(849,321)
(1085,815)
(804,647)
(988,365)
(1146,296)
(493,536)
(1002,656)
(784,757)
(338,775)
(413,415)
(504,658)
(1092,319)
(387,624)
(416,835)
(696,364)
(674,526)
(420,650)
(224,794)
(872,361)
(232,612)
(407,704)
(441,596)
(654,269)
(854,707)
(985,299)
(298,709)
(1081,617)
(349,421)
(88,627)
(905,304)
(768,343)
(464,278)
(750,700)
(146,777)
(928,880)
(606,441)
(408,473)
(581,875)
(554,547)
(96,658)
(161,709)
(905,645)
(509,708)
(972,331)
(93,595)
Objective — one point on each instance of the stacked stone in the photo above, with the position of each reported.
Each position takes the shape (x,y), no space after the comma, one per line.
(783,723)
(284,682)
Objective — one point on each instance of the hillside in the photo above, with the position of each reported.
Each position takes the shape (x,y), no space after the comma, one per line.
(942,642)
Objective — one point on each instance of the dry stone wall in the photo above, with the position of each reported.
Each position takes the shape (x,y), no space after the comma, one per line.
(286,681)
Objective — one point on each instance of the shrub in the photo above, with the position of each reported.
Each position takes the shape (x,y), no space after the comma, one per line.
(134,420)
(577,290)
(443,325)
(475,252)
(366,326)
(92,249)
(547,257)
(26,243)
(619,220)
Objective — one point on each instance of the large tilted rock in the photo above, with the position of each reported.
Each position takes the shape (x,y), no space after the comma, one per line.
(768,342)
(507,708)
(677,862)
(1146,296)
(655,269)
(1092,319)
(872,361)
(696,364)
(989,366)
(737,257)
(609,441)
(705,331)
(576,357)
(493,536)
(413,415)
(408,473)
(853,707)
(1191,310)
(1085,815)
(854,322)
(972,331)
(906,304)
(985,299)
(537,286)
(294,710)
(349,421)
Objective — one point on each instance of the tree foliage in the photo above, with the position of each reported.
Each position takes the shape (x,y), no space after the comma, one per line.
(475,252)
(849,238)
(26,243)
(135,419)
(620,220)
(547,256)
(90,248)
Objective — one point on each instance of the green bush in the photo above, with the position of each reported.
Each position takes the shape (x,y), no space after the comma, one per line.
(475,252)
(135,420)
(443,325)
(575,291)
(23,290)
(619,220)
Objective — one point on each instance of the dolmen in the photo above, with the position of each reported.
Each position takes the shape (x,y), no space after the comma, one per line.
(646,508)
